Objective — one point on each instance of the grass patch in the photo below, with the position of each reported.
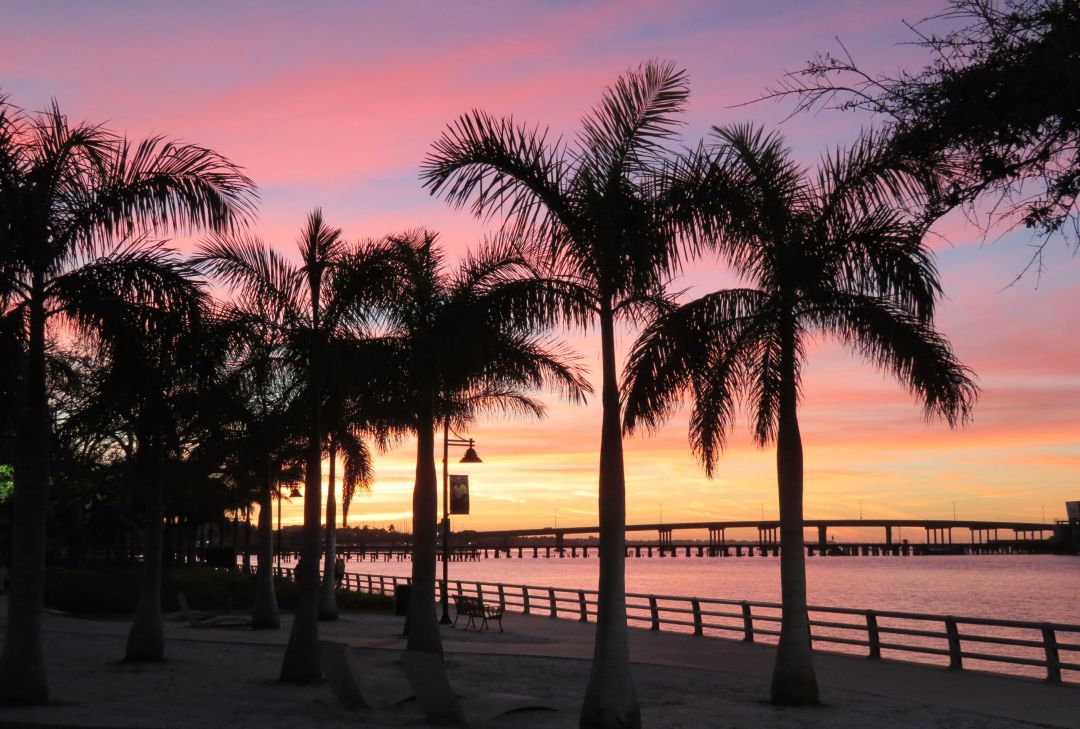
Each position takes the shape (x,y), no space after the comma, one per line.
(114,591)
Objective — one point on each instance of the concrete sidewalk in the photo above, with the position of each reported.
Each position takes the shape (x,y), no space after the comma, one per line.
(1021,699)
(1012,699)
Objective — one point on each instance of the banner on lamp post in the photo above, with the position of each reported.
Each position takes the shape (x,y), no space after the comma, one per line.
(459,494)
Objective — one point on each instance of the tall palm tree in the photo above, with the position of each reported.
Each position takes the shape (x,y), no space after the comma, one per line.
(345,437)
(74,202)
(460,344)
(607,213)
(158,361)
(267,389)
(834,254)
(313,307)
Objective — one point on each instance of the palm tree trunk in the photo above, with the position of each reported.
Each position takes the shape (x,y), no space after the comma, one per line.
(423,624)
(328,609)
(794,681)
(22,663)
(265,614)
(610,700)
(146,639)
(301,663)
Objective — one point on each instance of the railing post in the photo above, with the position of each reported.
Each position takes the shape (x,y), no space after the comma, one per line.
(956,660)
(553,606)
(654,613)
(748,623)
(369,585)
(502,598)
(1053,660)
(382,585)
(524,599)
(459,593)
(584,608)
(696,607)
(479,592)
(873,637)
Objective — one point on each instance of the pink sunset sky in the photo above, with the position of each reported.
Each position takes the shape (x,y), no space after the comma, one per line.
(335,104)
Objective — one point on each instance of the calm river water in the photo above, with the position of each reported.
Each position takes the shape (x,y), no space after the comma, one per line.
(1016,587)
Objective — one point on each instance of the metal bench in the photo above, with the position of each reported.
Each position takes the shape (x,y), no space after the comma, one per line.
(478,612)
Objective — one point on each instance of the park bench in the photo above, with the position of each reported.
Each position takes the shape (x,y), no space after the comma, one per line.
(478,612)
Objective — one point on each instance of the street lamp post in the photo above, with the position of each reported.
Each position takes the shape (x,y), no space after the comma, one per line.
(470,457)
(294,494)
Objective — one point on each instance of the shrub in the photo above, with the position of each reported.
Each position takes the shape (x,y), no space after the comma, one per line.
(114,590)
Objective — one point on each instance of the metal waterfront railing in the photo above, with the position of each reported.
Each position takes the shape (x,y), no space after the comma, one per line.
(1004,646)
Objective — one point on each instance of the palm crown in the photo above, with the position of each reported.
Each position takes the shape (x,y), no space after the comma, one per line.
(829,255)
(466,341)
(604,209)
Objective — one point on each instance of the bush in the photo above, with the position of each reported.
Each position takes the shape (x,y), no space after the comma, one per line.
(114,590)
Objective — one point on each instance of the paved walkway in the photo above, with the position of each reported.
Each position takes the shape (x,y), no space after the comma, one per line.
(1005,697)
(982,694)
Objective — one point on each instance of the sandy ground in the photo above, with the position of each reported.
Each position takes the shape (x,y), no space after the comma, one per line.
(227,677)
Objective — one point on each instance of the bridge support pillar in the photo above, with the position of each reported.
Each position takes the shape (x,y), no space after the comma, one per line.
(888,535)
(717,541)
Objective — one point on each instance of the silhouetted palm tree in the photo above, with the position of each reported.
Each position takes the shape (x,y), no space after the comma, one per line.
(459,345)
(74,202)
(266,389)
(345,438)
(312,307)
(834,255)
(607,213)
(159,361)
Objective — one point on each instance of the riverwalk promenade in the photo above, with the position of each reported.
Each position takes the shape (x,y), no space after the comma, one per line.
(226,677)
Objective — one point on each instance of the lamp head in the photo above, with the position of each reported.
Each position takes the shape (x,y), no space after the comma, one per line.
(470,456)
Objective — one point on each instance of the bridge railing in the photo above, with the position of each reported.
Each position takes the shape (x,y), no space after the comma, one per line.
(1050,650)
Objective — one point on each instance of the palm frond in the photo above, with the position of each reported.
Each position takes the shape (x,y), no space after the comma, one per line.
(879,253)
(871,173)
(162,184)
(137,276)
(678,350)
(500,168)
(493,400)
(748,188)
(905,346)
(245,263)
(625,132)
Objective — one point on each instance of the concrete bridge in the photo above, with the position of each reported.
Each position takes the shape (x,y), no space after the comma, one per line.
(982,537)
(658,539)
